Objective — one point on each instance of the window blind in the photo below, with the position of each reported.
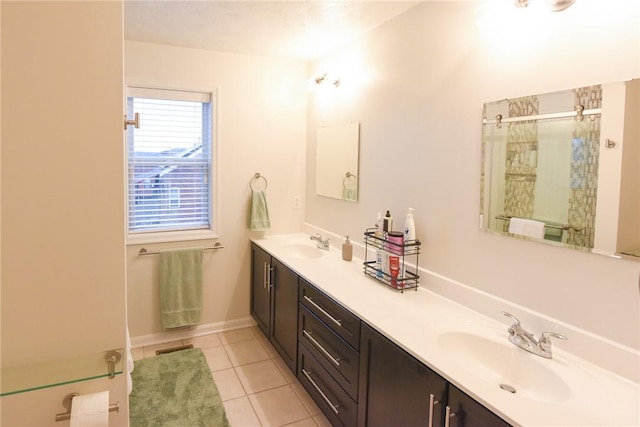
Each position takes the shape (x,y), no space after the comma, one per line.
(169,160)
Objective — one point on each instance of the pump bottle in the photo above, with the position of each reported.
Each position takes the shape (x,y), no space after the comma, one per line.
(409,227)
(347,249)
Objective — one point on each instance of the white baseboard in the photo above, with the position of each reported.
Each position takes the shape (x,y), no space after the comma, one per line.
(191,332)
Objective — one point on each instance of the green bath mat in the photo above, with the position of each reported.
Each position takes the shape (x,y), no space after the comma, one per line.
(175,390)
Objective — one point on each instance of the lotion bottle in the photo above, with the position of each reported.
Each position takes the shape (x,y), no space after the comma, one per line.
(378,232)
(409,227)
(347,249)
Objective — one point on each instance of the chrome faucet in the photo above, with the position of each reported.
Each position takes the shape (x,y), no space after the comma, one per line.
(322,244)
(526,341)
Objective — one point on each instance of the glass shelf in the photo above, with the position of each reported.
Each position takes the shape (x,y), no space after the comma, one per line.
(37,376)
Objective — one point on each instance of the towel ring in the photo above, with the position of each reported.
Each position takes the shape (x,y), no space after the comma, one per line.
(255,177)
(346,177)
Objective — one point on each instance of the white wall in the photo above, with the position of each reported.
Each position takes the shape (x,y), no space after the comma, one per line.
(417,85)
(63,270)
(262,123)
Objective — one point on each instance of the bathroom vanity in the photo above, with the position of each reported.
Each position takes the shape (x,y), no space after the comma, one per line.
(372,356)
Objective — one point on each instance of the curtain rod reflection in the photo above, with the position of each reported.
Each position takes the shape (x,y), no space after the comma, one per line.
(578,113)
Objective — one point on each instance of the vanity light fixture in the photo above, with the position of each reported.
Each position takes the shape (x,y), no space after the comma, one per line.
(553,5)
(326,79)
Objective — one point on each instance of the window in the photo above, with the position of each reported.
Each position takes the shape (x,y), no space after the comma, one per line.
(169,161)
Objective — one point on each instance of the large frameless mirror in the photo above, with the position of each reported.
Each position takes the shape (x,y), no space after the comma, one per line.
(337,149)
(564,168)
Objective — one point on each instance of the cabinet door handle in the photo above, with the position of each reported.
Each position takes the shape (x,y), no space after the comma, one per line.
(267,276)
(432,403)
(333,407)
(264,276)
(447,416)
(319,347)
(333,319)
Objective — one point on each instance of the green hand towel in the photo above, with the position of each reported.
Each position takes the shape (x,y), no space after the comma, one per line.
(349,194)
(259,215)
(180,287)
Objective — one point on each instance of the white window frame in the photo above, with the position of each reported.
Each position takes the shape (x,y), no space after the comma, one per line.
(214,207)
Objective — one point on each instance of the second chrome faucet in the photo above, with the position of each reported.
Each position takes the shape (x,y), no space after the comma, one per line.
(526,341)
(320,243)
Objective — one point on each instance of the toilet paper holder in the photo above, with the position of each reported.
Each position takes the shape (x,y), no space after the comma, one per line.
(67,401)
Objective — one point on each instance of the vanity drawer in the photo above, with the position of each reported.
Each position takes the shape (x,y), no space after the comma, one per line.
(338,318)
(334,402)
(338,358)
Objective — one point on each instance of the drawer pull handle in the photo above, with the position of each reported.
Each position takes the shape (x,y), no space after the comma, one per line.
(447,416)
(432,403)
(324,396)
(319,347)
(333,319)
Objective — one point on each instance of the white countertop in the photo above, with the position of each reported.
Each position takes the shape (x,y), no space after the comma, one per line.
(415,319)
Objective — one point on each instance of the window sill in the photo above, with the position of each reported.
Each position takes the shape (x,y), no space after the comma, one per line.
(170,236)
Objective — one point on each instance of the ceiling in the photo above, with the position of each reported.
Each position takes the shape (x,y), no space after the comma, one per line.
(293,29)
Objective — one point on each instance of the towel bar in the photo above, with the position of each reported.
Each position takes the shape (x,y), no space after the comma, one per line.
(558,227)
(143,251)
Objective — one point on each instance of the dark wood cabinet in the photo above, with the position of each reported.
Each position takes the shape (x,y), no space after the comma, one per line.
(395,388)
(274,303)
(339,408)
(260,288)
(336,356)
(328,359)
(335,316)
(284,328)
(466,412)
(398,390)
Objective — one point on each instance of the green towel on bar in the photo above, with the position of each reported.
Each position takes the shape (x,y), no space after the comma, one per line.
(259,216)
(180,287)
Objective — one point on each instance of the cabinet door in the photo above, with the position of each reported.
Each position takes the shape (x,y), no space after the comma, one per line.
(395,387)
(469,413)
(260,291)
(284,331)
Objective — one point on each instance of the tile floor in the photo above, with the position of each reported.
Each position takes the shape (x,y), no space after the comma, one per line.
(256,387)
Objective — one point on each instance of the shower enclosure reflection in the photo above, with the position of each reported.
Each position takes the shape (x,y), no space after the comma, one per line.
(565,164)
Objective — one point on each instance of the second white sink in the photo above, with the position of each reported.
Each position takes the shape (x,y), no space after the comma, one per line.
(505,365)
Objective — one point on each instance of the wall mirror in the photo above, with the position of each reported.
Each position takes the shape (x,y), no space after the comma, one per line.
(563,168)
(337,148)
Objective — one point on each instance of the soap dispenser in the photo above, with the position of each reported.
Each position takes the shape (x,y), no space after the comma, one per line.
(387,224)
(347,249)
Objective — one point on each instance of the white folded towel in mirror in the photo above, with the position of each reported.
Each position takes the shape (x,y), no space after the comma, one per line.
(526,227)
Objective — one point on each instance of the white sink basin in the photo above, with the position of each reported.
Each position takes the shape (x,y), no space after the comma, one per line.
(302,251)
(505,365)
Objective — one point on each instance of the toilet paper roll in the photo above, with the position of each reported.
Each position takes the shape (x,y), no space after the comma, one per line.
(90,410)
